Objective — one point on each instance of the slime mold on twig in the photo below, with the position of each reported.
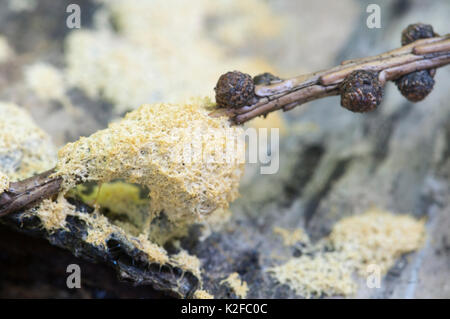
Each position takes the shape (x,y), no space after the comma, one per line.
(358,81)
(424,53)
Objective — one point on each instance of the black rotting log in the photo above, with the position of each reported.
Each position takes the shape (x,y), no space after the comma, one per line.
(131,264)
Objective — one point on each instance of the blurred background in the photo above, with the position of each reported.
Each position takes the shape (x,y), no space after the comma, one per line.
(333,163)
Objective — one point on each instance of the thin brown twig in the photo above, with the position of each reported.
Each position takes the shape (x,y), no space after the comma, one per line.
(22,194)
(422,54)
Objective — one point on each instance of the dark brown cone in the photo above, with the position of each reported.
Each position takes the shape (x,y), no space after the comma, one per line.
(417,31)
(361,91)
(416,86)
(234,89)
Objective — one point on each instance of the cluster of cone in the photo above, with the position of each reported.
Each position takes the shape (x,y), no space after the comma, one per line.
(361,91)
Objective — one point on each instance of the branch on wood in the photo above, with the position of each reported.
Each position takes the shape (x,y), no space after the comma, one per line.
(422,54)
(27,192)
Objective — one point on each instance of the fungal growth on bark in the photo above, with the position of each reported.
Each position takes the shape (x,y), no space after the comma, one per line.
(177,151)
(359,82)
(132,194)
(120,194)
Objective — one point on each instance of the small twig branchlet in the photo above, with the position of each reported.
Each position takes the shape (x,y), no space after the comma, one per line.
(27,192)
(359,82)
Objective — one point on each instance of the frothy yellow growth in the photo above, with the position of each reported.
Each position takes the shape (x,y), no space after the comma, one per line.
(53,213)
(290,237)
(100,231)
(45,80)
(177,151)
(376,237)
(155,252)
(166,50)
(189,262)
(24,148)
(4,182)
(48,83)
(239,286)
(323,274)
(53,216)
(202,294)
